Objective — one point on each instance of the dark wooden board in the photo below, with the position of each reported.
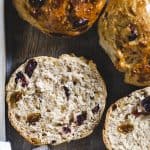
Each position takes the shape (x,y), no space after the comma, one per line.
(23,41)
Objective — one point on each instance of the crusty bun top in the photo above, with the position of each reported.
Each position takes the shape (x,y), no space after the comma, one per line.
(124,32)
(69,17)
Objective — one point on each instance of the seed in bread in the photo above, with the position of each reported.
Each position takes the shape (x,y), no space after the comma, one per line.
(127,124)
(55,100)
(124,31)
(60,17)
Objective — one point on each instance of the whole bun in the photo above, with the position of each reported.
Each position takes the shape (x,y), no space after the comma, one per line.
(60,17)
(124,31)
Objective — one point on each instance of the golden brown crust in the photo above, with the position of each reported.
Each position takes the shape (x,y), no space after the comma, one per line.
(124,32)
(105,139)
(60,17)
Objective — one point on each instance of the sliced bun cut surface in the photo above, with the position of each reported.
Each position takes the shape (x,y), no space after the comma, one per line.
(127,124)
(55,100)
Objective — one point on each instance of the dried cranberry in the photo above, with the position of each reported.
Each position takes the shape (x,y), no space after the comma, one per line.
(66,92)
(136,113)
(30,67)
(66,130)
(81,118)
(37,3)
(134,33)
(146,104)
(140,113)
(20,76)
(95,109)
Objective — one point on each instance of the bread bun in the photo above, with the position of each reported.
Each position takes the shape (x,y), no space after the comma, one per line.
(127,122)
(55,100)
(124,31)
(60,17)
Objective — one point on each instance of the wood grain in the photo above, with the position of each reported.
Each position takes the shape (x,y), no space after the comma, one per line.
(24,41)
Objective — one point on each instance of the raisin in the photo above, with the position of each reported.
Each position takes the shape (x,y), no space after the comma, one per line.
(53,142)
(15,97)
(134,33)
(81,118)
(17,117)
(95,109)
(37,3)
(66,130)
(125,128)
(67,93)
(77,22)
(146,104)
(44,134)
(31,65)
(92,97)
(114,107)
(20,76)
(33,118)
(74,82)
